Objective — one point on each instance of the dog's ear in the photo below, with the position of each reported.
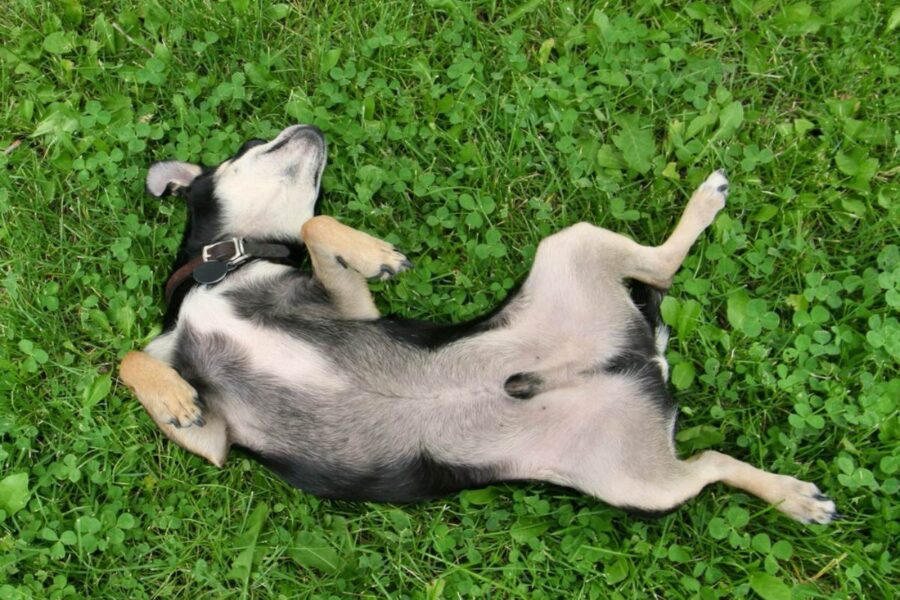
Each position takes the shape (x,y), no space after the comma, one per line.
(171,177)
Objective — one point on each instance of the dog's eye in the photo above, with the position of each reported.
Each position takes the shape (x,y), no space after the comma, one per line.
(247,145)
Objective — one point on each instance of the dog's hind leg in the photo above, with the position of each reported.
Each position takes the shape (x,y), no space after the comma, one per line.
(673,482)
(344,258)
(584,252)
(620,449)
(657,265)
(172,403)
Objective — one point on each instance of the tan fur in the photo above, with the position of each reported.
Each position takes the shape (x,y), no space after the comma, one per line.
(344,258)
(798,499)
(160,388)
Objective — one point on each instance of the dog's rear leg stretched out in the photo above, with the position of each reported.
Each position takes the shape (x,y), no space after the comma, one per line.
(343,259)
(635,466)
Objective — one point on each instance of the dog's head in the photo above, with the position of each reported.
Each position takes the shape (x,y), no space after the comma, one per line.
(264,192)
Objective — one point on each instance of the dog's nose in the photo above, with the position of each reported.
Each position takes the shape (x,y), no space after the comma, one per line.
(310,130)
(303,131)
(310,134)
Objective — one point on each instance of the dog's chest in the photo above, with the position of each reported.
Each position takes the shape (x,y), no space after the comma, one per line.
(223,316)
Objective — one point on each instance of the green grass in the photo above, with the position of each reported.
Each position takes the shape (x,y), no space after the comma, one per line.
(463,132)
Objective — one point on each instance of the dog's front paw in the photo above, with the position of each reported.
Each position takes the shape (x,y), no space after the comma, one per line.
(374,259)
(392,262)
(168,398)
(171,400)
(804,502)
(180,405)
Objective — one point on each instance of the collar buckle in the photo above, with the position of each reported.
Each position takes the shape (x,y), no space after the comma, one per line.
(230,252)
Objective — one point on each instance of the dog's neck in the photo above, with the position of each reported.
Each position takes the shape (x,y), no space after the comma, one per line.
(215,261)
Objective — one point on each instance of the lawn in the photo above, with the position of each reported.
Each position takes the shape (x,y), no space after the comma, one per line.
(463,132)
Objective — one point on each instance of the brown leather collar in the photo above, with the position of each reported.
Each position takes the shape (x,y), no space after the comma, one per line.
(219,259)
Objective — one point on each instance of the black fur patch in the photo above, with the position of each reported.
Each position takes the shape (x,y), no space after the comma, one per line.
(645,514)
(647,299)
(637,361)
(429,335)
(647,374)
(409,480)
(204,223)
(523,386)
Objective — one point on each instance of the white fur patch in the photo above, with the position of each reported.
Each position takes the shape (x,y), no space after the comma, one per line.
(162,347)
(662,341)
(171,172)
(269,351)
(271,189)
(718,182)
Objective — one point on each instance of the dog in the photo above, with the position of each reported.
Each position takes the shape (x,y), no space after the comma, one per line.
(565,382)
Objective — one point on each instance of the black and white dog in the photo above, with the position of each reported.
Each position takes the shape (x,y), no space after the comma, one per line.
(565,382)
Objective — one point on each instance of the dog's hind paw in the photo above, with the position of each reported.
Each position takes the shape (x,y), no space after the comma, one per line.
(708,199)
(804,502)
(717,182)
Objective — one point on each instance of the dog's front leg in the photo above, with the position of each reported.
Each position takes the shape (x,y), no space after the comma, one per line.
(344,258)
(172,403)
(167,397)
